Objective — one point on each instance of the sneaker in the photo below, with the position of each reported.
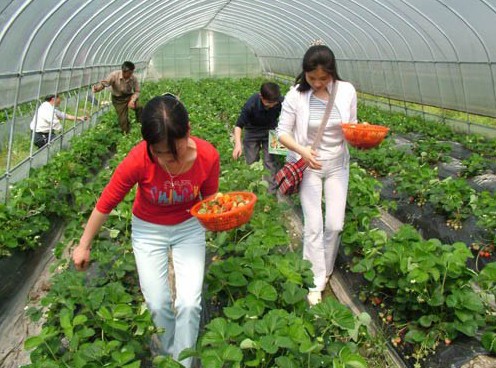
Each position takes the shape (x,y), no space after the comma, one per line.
(314,297)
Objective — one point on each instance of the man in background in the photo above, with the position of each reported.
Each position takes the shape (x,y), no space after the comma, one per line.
(125,93)
(259,115)
(46,121)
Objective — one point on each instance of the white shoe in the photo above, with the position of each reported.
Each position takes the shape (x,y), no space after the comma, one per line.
(314,297)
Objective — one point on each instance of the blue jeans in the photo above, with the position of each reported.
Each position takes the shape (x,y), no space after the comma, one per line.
(179,316)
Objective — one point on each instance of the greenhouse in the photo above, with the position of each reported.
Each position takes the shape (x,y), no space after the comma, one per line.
(132,131)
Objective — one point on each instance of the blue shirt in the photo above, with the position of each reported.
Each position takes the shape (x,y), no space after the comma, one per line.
(256,119)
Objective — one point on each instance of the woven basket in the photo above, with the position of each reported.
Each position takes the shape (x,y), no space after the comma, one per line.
(364,135)
(227,220)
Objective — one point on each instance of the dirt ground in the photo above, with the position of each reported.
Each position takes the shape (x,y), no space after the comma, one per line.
(17,327)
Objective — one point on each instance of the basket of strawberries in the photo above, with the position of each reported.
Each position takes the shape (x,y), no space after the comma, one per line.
(364,135)
(225,211)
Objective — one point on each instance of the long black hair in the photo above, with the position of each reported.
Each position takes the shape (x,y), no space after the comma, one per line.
(317,56)
(164,118)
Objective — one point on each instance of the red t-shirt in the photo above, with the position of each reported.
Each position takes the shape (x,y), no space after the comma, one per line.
(156,201)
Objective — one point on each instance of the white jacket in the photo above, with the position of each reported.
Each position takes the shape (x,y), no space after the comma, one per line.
(46,118)
(295,113)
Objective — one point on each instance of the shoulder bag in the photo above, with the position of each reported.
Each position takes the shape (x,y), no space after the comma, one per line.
(289,177)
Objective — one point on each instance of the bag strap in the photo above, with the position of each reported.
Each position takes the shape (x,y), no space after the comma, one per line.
(327,113)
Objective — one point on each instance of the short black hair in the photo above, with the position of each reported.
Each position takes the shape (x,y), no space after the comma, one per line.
(270,91)
(127,65)
(164,118)
(48,98)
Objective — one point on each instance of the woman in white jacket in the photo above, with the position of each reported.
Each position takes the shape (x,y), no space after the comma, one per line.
(328,165)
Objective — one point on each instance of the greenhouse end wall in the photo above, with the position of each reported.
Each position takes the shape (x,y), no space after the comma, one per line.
(202,54)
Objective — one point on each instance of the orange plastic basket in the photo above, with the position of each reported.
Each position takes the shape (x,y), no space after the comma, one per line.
(364,135)
(226,220)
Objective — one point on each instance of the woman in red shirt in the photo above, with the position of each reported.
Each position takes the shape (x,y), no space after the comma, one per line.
(173,171)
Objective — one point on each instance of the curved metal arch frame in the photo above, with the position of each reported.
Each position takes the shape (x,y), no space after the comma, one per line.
(342,37)
(257,25)
(341,32)
(18,87)
(157,40)
(484,46)
(434,24)
(90,34)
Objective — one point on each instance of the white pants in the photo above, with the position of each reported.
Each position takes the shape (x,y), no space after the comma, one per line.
(321,240)
(151,245)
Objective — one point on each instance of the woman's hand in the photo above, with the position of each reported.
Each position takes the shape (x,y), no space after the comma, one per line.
(81,257)
(310,157)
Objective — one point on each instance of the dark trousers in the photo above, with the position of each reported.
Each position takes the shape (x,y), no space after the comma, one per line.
(121,108)
(40,139)
(251,148)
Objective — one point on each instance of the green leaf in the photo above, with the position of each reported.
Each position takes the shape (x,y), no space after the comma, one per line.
(135,364)
(468,328)
(489,341)
(415,335)
(262,290)
(351,360)
(464,316)
(65,318)
(287,362)
(122,357)
(293,293)
(85,332)
(268,344)
(104,313)
(123,311)
(79,320)
(437,298)
(248,344)
(309,347)
(119,325)
(336,313)
(472,302)
(426,321)
(235,312)
(232,354)
(256,307)
(236,279)
(33,342)
(418,276)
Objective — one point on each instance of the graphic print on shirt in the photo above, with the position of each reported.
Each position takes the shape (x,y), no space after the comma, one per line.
(179,191)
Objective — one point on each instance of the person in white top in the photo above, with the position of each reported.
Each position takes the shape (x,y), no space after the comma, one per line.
(46,120)
(328,165)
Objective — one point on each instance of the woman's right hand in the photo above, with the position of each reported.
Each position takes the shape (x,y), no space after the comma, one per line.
(81,257)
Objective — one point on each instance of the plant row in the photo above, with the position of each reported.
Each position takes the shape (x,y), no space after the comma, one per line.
(31,208)
(415,173)
(423,290)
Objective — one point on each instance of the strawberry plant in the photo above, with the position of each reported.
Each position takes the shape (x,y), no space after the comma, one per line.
(452,198)
(431,291)
(431,150)
(474,165)
(415,182)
